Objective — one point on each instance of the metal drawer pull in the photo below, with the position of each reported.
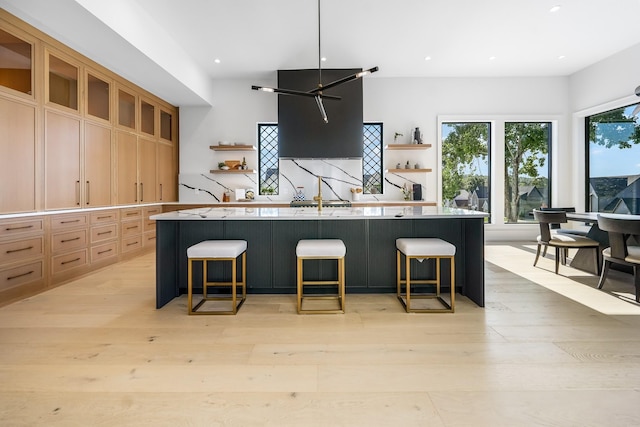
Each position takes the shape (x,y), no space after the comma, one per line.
(20,275)
(67,262)
(104,217)
(132,213)
(131,244)
(130,228)
(104,252)
(69,240)
(19,250)
(105,232)
(69,222)
(18,228)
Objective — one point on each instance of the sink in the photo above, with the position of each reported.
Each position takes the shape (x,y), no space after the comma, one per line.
(325,203)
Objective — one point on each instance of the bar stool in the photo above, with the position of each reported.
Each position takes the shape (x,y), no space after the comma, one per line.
(424,248)
(213,251)
(320,249)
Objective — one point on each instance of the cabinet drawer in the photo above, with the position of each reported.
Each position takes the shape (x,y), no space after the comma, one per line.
(105,251)
(130,228)
(62,242)
(152,211)
(106,232)
(134,213)
(61,222)
(16,228)
(131,244)
(149,225)
(66,262)
(102,217)
(149,239)
(17,276)
(21,249)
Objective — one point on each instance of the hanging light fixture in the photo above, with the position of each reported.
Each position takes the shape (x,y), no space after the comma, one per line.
(318,93)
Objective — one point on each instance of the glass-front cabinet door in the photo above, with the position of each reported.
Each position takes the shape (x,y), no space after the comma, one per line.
(147,118)
(98,96)
(167,122)
(62,82)
(126,109)
(16,63)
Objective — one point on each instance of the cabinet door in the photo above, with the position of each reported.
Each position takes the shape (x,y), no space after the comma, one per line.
(166,174)
(147,165)
(127,168)
(62,161)
(17,157)
(98,165)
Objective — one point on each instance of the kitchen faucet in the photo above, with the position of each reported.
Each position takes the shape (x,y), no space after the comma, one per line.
(318,198)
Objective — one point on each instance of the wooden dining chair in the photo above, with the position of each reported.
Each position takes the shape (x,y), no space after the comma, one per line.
(620,251)
(561,241)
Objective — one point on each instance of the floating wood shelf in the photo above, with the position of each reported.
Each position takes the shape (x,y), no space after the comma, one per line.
(232,147)
(232,171)
(409,170)
(407,146)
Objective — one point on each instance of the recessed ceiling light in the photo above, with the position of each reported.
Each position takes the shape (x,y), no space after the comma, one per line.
(555,8)
(323,59)
(561,57)
(427,58)
(217,60)
(491,58)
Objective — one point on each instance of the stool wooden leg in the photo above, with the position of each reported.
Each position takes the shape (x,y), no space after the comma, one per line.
(453,283)
(407,266)
(398,275)
(341,283)
(438,262)
(244,275)
(205,277)
(299,283)
(234,279)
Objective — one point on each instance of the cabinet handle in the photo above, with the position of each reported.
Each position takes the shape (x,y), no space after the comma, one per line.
(160,192)
(69,240)
(88,193)
(68,262)
(135,191)
(69,222)
(131,244)
(132,227)
(104,217)
(18,228)
(132,213)
(20,275)
(78,193)
(19,250)
(105,232)
(142,191)
(104,252)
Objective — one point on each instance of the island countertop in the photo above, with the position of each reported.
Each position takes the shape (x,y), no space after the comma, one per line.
(327,213)
(271,233)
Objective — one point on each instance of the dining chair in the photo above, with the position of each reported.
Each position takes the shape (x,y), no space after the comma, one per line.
(620,251)
(559,240)
(565,230)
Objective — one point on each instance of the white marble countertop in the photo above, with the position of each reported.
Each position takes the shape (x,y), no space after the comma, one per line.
(370,212)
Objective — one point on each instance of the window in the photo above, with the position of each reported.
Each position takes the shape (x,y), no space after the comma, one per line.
(372,158)
(613,168)
(466,166)
(526,164)
(268,159)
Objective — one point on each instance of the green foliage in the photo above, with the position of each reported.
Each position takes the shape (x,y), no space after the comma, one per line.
(613,128)
(466,143)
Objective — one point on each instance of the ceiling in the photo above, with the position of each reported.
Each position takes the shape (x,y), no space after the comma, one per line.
(170,46)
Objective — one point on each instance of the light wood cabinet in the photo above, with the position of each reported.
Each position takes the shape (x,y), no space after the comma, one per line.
(98,165)
(61,82)
(127,147)
(17,156)
(167,177)
(98,96)
(62,161)
(147,158)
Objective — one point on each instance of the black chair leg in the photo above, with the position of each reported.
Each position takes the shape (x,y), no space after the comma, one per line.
(603,275)
(557,258)
(636,279)
(544,252)
(537,255)
(596,259)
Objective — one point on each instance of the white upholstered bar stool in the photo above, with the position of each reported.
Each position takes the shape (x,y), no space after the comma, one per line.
(320,249)
(214,251)
(424,248)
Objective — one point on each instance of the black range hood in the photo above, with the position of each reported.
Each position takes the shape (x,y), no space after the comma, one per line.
(303,134)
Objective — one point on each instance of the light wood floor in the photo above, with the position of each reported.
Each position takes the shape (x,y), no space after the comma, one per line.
(544,351)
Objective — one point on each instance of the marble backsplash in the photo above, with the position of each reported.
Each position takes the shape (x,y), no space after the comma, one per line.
(339,176)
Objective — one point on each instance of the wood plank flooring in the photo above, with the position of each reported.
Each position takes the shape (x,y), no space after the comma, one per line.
(546,350)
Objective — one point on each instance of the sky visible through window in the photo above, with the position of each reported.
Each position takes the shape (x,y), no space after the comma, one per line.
(615,161)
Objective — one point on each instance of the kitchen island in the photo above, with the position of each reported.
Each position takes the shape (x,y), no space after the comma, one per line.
(272,233)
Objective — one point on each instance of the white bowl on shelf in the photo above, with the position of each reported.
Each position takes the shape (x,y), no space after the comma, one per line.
(223,143)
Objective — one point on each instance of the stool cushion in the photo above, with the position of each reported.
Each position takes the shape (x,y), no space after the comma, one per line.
(321,248)
(425,247)
(217,249)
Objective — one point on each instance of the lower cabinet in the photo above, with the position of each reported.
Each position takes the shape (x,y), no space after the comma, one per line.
(40,252)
